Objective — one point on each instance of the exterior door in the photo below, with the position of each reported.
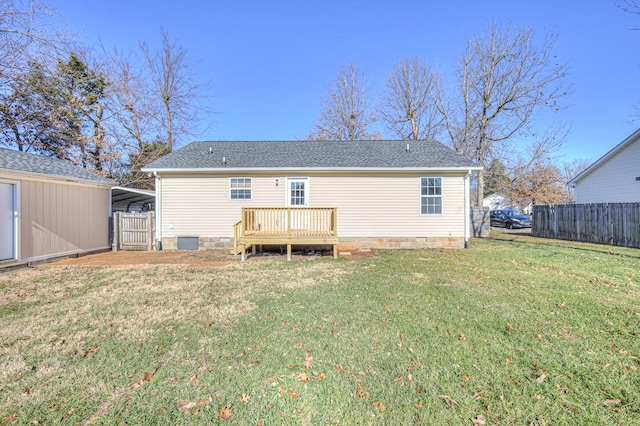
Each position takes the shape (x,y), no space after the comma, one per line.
(298,192)
(7,222)
(297,196)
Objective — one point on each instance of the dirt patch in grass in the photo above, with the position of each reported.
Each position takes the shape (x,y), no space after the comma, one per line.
(208,258)
(203,258)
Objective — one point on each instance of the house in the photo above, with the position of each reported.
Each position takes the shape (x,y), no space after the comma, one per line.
(496,201)
(614,178)
(393,194)
(50,208)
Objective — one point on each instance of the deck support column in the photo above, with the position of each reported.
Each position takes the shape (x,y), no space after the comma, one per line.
(335,251)
(289,252)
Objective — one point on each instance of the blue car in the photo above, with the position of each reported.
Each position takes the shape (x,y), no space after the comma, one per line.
(510,219)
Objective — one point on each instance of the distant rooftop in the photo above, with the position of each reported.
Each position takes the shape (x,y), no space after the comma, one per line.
(318,155)
(32,163)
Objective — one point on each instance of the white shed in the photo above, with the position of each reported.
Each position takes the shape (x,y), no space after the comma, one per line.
(50,208)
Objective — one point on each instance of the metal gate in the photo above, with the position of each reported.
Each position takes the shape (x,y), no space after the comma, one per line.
(134,231)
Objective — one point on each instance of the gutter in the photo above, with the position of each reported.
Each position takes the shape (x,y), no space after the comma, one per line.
(311,169)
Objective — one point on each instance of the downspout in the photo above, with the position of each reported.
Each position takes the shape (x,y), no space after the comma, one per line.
(467,209)
(111,237)
(158,211)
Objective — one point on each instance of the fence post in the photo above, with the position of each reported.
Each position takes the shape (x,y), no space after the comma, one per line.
(116,231)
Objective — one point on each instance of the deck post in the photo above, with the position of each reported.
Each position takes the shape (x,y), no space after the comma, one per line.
(289,252)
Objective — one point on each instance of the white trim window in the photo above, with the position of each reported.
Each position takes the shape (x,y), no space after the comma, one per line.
(431,195)
(240,188)
(297,192)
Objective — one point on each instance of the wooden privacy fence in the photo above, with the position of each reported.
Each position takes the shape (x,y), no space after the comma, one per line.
(606,223)
(134,231)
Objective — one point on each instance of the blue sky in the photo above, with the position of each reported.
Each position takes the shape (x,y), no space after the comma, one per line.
(271,62)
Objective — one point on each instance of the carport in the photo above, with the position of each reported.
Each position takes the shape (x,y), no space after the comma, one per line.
(132,199)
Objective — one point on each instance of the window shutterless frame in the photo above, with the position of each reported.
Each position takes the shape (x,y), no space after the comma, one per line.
(430,196)
(240,188)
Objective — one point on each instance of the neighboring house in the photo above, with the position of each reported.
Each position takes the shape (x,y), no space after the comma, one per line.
(614,178)
(387,193)
(496,201)
(50,208)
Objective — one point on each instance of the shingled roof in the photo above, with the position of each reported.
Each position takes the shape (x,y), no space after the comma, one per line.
(32,163)
(312,155)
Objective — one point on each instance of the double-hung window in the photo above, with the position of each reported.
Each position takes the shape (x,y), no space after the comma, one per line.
(430,195)
(240,188)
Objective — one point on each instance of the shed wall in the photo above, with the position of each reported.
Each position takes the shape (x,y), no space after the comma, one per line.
(57,218)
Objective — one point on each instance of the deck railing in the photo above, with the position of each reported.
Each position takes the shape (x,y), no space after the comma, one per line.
(285,225)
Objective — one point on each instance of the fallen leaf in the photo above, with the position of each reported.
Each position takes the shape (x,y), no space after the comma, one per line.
(11,418)
(463,337)
(308,361)
(320,376)
(89,352)
(302,376)
(563,389)
(451,403)
(509,327)
(418,404)
(185,405)
(194,380)
(292,394)
(612,402)
(380,405)
(299,345)
(447,332)
(146,377)
(479,420)
(541,378)
(225,413)
(398,378)
(244,397)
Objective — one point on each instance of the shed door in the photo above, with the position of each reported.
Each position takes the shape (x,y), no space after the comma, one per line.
(7,223)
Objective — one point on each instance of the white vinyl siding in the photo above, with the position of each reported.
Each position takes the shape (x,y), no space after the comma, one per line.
(614,181)
(369,205)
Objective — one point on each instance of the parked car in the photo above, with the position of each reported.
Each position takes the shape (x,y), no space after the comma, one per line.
(510,219)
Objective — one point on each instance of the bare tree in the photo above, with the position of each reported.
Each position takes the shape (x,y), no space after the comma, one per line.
(504,79)
(409,101)
(25,29)
(571,169)
(346,113)
(175,87)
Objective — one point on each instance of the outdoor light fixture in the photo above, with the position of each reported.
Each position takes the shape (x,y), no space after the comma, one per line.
(277,181)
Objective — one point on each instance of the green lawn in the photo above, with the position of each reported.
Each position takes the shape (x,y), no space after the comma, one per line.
(515,330)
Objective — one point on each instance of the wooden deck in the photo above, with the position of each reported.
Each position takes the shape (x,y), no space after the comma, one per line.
(285,225)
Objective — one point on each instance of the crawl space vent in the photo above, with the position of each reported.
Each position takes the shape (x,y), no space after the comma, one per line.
(188,243)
